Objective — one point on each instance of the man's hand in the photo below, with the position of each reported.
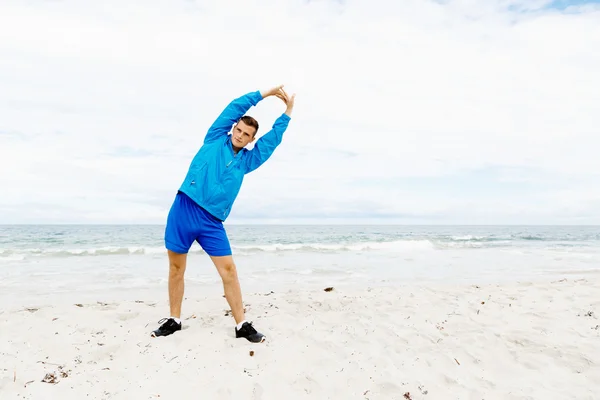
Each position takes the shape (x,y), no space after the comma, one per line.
(287,99)
(271,92)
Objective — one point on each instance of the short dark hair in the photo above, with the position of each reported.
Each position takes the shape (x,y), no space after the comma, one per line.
(248,120)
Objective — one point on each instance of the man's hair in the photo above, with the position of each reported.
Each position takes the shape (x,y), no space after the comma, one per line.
(248,120)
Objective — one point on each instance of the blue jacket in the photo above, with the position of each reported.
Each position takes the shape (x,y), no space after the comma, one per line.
(215,174)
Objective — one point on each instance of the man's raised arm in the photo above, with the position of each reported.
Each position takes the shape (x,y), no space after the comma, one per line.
(231,114)
(236,110)
(265,146)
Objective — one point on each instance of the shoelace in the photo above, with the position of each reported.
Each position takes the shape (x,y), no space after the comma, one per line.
(164,320)
(250,328)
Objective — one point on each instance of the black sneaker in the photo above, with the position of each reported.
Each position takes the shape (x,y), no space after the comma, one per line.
(249,333)
(169,327)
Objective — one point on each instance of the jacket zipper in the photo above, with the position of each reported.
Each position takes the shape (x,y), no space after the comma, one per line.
(229,163)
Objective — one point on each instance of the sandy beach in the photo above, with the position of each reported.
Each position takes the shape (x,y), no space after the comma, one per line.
(512,341)
(408,190)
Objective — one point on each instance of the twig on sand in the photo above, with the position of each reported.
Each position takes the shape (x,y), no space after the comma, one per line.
(172,359)
(456,361)
(49,363)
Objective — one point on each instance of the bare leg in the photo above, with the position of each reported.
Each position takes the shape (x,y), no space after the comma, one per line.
(177,264)
(231,285)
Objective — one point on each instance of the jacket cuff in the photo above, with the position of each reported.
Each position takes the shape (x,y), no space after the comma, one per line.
(255,97)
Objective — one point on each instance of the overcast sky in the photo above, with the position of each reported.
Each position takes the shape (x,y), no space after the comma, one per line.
(415,111)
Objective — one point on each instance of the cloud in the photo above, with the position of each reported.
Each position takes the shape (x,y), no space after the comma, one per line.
(418,111)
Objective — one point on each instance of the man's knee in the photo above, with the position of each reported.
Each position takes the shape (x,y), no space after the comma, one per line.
(176,269)
(177,264)
(228,271)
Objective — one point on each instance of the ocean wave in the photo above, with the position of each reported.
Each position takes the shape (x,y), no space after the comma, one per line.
(499,238)
(400,245)
(58,252)
(334,245)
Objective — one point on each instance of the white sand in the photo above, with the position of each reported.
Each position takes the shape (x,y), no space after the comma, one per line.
(528,341)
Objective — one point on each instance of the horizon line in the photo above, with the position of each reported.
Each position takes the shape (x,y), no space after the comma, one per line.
(298,224)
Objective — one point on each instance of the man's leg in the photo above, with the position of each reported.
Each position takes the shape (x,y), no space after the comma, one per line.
(215,243)
(179,236)
(233,294)
(231,285)
(177,264)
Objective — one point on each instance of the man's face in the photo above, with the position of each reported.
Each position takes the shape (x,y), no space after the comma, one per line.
(242,134)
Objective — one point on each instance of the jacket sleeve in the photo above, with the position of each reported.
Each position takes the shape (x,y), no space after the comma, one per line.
(231,114)
(265,146)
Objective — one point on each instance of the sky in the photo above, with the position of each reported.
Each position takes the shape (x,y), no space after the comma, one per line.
(411,112)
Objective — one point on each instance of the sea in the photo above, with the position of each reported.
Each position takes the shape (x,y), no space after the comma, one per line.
(42,261)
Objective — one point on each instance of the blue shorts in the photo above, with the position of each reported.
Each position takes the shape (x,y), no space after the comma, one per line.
(188,222)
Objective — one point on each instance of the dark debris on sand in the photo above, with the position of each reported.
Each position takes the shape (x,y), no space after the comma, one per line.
(54,377)
(229,312)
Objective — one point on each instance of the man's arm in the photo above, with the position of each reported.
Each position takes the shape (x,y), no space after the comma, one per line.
(236,110)
(231,114)
(266,145)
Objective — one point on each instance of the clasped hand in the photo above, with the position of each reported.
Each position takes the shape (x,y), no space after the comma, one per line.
(278,92)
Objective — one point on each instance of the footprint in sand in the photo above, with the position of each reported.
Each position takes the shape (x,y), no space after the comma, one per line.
(387,390)
(257,392)
(127,315)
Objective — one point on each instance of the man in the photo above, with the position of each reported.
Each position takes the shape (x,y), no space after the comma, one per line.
(206,195)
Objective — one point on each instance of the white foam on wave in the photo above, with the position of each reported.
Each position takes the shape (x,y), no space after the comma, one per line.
(398,245)
(101,251)
(468,237)
(12,257)
(390,246)
(395,246)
